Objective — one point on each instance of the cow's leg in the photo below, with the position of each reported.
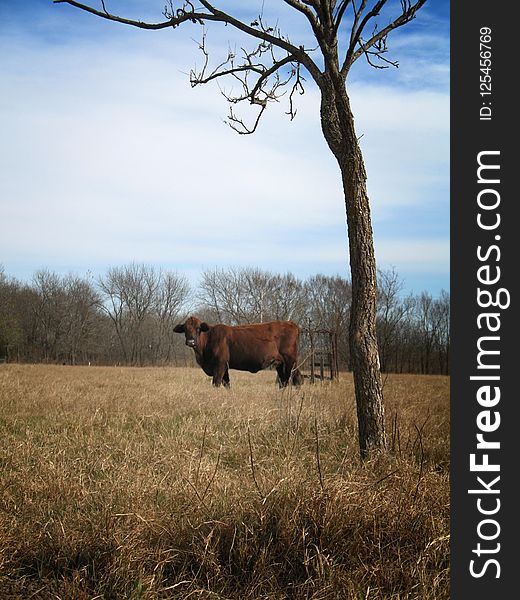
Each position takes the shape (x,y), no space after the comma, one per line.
(219,375)
(283,379)
(225,378)
(291,372)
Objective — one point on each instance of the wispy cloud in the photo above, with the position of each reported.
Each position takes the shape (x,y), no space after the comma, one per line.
(109,156)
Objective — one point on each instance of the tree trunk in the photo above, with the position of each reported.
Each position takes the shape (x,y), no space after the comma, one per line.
(338,128)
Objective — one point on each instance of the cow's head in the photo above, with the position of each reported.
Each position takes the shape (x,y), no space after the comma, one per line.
(192,329)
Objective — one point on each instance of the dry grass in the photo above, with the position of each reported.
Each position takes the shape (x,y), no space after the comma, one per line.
(148,483)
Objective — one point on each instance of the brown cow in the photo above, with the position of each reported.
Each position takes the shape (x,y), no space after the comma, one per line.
(244,347)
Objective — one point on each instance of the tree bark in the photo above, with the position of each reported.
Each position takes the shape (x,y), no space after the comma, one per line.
(337,123)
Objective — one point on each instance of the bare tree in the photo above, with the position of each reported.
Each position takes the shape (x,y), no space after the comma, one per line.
(441,311)
(432,319)
(257,290)
(129,294)
(11,329)
(65,316)
(446,328)
(172,293)
(392,311)
(224,291)
(79,325)
(328,307)
(343,31)
(50,312)
(287,299)
(251,295)
(143,304)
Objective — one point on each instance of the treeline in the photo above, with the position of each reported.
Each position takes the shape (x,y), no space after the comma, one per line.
(127,315)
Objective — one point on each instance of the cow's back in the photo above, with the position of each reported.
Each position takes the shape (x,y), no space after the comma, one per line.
(254,347)
(280,334)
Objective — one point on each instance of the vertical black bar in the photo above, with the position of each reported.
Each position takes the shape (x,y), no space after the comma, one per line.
(484,256)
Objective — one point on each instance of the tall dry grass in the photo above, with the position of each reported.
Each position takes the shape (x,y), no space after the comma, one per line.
(148,483)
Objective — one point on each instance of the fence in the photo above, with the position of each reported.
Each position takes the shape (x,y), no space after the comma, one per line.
(318,353)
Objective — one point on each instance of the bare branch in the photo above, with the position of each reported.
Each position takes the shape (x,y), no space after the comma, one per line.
(238,124)
(252,463)
(377,40)
(303,7)
(317,449)
(219,71)
(188,14)
(173,20)
(263,76)
(278,41)
(374,12)
(340,11)
(259,83)
(297,87)
(380,49)
(258,70)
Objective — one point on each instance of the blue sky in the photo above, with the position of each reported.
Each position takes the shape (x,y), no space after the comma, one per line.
(109,156)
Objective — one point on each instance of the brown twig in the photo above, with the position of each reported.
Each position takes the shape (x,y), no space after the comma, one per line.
(252,463)
(318,462)
(201,454)
(419,434)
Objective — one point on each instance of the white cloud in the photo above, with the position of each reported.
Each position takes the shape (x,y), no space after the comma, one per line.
(429,255)
(109,156)
(406,145)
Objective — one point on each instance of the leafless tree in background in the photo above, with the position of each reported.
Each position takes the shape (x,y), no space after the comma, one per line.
(143,303)
(172,295)
(328,307)
(392,311)
(420,325)
(51,312)
(287,300)
(17,304)
(251,295)
(223,292)
(443,337)
(435,328)
(65,316)
(258,287)
(80,322)
(428,321)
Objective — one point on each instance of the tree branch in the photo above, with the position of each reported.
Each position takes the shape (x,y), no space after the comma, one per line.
(268,38)
(303,7)
(180,17)
(214,14)
(298,52)
(258,91)
(377,39)
(325,18)
(340,11)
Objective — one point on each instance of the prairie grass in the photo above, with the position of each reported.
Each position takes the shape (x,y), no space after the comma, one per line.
(148,483)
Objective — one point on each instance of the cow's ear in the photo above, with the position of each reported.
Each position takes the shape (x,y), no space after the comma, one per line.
(204,327)
(179,328)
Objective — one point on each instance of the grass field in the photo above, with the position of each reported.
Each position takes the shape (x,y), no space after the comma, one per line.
(123,483)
